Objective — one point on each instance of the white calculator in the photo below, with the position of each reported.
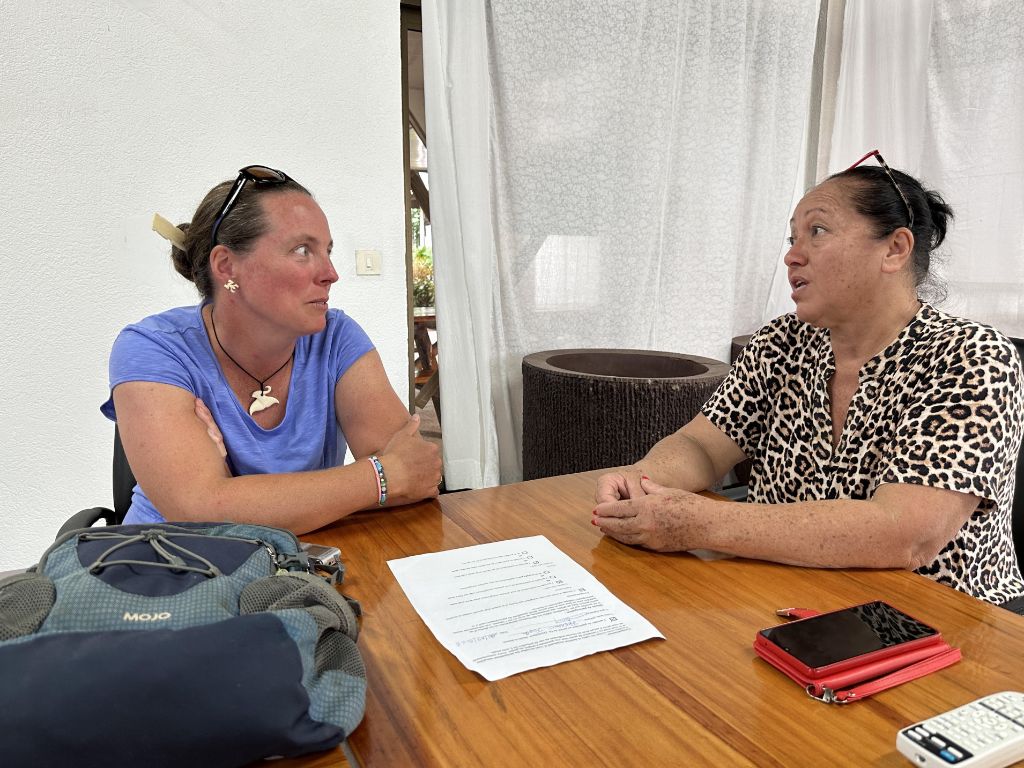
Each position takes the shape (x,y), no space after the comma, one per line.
(987,733)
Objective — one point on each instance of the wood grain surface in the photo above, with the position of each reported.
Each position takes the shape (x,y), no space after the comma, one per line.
(698,697)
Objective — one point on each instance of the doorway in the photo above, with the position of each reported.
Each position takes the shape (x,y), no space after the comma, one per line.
(424,370)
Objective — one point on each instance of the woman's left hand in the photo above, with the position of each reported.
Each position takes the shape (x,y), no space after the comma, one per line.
(665,520)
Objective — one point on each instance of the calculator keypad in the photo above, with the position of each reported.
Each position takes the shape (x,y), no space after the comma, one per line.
(982,725)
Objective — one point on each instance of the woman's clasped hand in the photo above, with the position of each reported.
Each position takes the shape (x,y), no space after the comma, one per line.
(648,514)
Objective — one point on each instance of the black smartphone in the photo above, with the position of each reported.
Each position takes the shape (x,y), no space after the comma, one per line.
(832,641)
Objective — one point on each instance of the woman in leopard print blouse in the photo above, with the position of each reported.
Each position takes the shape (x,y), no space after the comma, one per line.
(883,433)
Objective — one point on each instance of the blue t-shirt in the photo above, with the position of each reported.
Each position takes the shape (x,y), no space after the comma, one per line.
(173,348)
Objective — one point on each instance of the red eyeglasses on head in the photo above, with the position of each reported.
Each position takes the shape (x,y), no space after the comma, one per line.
(888,172)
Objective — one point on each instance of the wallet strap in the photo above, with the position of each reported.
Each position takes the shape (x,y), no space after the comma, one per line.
(797,613)
(940,660)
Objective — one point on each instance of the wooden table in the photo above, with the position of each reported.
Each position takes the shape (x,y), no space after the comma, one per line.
(699,697)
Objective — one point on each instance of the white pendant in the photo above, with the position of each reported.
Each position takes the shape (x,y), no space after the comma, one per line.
(261,400)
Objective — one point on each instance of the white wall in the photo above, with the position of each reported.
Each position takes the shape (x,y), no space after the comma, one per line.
(110,111)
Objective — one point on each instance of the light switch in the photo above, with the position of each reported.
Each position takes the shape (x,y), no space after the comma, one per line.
(367,261)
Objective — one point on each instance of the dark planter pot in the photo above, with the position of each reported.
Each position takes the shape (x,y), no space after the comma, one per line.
(742,470)
(738,343)
(593,408)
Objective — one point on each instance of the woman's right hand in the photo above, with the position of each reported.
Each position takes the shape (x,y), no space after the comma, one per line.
(412,466)
(619,484)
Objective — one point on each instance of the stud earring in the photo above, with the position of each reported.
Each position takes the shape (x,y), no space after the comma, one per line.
(231,285)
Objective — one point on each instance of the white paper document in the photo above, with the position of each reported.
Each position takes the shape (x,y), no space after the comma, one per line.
(510,606)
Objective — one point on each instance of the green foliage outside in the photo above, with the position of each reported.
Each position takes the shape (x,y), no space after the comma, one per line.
(423,277)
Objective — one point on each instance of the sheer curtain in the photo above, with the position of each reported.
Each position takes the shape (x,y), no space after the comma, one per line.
(973,151)
(641,164)
(457,98)
(938,87)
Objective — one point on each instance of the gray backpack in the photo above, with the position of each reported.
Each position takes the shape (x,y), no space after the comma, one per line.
(193,644)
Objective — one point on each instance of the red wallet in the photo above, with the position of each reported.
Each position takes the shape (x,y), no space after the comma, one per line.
(850,654)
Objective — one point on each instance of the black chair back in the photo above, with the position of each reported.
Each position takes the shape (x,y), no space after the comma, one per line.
(124,480)
(124,483)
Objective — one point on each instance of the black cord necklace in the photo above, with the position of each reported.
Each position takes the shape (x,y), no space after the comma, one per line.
(261,399)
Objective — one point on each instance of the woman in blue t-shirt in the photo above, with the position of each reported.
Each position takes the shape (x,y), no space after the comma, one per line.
(240,408)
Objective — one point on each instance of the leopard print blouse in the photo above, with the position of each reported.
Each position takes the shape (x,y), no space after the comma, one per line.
(942,405)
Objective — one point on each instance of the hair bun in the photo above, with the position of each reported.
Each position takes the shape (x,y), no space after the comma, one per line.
(941,216)
(180,258)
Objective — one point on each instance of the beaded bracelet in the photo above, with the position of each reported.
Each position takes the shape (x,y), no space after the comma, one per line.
(382,481)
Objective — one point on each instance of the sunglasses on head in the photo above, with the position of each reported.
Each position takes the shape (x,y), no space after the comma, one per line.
(892,179)
(258,175)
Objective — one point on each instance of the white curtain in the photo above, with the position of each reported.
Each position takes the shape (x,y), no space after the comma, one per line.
(973,151)
(938,87)
(641,167)
(457,97)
